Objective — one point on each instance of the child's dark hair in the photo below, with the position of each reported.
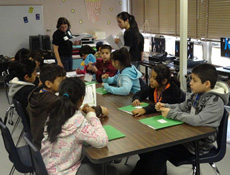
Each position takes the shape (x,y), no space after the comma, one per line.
(133,24)
(50,72)
(86,49)
(122,55)
(71,91)
(21,68)
(61,21)
(206,72)
(106,46)
(22,54)
(163,72)
(37,55)
(98,45)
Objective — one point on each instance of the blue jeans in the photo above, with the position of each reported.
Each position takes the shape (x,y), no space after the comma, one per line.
(67,62)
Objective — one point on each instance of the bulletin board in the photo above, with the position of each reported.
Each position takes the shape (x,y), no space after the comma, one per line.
(17,23)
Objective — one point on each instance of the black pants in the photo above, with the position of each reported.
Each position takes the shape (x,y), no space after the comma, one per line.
(154,163)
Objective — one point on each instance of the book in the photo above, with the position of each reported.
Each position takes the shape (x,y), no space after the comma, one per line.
(158,122)
(112,132)
(101,91)
(130,108)
(90,95)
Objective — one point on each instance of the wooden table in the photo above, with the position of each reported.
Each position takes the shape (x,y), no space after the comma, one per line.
(139,137)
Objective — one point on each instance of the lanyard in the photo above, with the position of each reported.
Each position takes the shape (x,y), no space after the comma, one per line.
(158,99)
(197,97)
(43,90)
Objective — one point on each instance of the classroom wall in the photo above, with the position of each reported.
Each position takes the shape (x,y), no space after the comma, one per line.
(53,9)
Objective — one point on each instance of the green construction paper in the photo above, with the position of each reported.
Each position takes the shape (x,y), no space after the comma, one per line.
(130,108)
(159,122)
(101,91)
(113,133)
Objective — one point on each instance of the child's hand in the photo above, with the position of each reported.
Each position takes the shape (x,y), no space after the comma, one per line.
(86,109)
(159,105)
(104,76)
(138,112)
(136,102)
(164,111)
(116,40)
(78,71)
(105,111)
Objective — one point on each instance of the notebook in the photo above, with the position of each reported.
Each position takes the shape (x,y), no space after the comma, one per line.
(101,91)
(159,122)
(91,82)
(113,133)
(130,108)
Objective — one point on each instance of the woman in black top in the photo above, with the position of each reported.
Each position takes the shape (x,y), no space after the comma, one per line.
(132,37)
(62,45)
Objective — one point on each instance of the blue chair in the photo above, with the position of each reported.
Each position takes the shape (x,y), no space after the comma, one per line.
(216,154)
(19,156)
(37,160)
(22,115)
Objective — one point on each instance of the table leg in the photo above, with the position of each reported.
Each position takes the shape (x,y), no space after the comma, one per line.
(197,160)
(104,169)
(146,75)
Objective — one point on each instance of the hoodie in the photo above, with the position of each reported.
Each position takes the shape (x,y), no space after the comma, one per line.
(126,81)
(37,110)
(209,110)
(20,91)
(63,156)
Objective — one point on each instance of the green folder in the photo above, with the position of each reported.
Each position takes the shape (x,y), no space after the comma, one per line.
(101,91)
(113,133)
(159,122)
(92,82)
(130,108)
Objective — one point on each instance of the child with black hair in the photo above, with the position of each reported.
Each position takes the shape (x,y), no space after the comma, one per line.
(67,129)
(104,65)
(51,76)
(23,82)
(87,54)
(98,47)
(203,107)
(161,89)
(127,78)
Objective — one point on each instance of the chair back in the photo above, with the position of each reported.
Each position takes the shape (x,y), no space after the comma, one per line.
(13,151)
(22,114)
(222,137)
(37,160)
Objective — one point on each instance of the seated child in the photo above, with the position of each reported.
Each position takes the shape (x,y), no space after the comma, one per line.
(161,89)
(67,129)
(51,75)
(23,82)
(87,54)
(127,78)
(204,107)
(103,66)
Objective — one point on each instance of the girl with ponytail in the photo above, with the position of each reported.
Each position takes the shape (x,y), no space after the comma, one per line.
(132,37)
(66,129)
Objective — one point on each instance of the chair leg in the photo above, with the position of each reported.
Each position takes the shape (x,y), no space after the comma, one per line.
(20,137)
(126,161)
(12,170)
(214,167)
(194,170)
(16,124)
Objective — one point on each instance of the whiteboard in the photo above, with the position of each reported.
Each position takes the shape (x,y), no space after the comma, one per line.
(14,32)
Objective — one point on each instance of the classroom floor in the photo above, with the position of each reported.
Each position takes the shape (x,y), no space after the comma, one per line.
(5,164)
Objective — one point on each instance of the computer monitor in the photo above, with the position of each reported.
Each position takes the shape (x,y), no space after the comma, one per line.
(158,44)
(190,46)
(225,47)
(40,42)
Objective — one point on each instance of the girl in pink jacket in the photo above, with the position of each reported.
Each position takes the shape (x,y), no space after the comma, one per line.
(66,130)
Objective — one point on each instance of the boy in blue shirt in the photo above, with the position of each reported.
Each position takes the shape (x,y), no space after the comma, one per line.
(204,107)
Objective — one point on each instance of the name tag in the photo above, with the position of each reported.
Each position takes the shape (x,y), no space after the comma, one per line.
(193,111)
(69,34)
(65,38)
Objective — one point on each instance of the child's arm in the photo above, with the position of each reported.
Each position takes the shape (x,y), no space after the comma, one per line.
(109,80)
(92,132)
(124,89)
(210,115)
(141,95)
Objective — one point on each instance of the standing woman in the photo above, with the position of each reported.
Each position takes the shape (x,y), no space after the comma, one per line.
(62,45)
(132,37)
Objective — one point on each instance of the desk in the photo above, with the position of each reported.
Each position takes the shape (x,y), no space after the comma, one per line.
(139,137)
